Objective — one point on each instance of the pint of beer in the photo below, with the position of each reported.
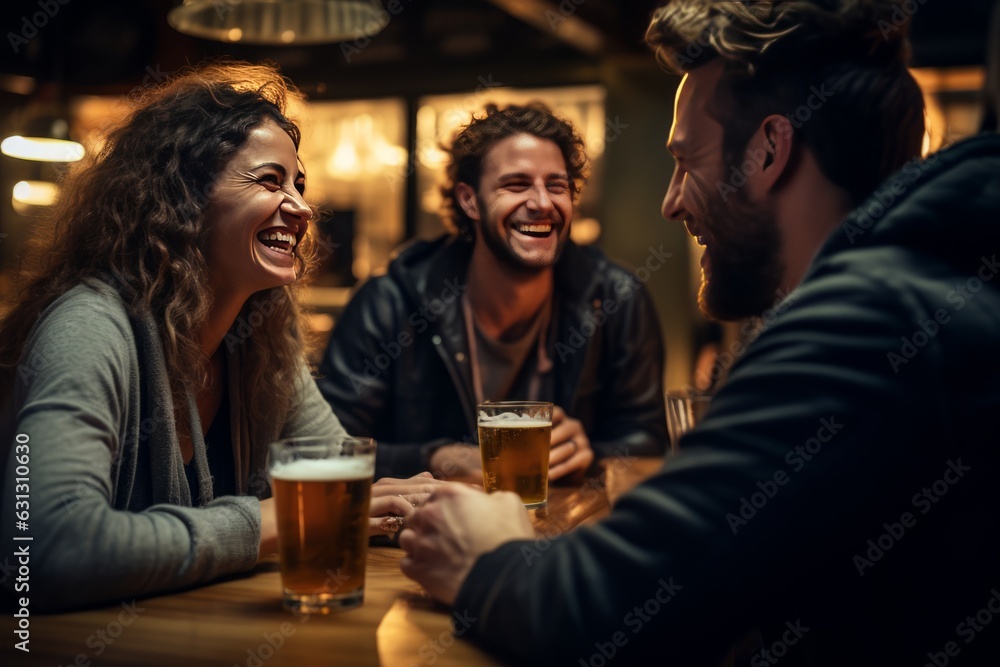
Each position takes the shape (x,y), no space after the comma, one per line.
(322,490)
(514,441)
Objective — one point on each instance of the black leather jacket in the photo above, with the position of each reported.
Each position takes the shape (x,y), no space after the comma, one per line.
(397,366)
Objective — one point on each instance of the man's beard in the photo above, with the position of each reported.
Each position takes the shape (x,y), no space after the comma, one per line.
(500,248)
(744,249)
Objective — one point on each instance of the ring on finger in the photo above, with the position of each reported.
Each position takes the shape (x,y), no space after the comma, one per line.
(576,447)
(391,524)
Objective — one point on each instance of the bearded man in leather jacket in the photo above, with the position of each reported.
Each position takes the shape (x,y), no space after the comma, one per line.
(506,308)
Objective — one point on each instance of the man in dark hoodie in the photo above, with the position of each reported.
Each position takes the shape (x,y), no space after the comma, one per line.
(508,308)
(841,494)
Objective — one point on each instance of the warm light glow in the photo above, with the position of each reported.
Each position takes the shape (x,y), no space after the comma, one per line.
(585,231)
(35,193)
(389,155)
(426,121)
(362,149)
(595,134)
(361,266)
(288,36)
(235,35)
(451,120)
(363,126)
(431,200)
(948,117)
(344,162)
(944,79)
(432,157)
(321,322)
(42,149)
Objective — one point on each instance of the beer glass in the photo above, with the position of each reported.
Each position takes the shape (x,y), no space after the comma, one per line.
(514,441)
(322,490)
(685,409)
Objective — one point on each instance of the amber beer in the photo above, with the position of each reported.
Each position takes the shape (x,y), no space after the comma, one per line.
(322,509)
(514,442)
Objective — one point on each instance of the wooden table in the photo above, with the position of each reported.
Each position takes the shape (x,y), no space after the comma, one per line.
(240,621)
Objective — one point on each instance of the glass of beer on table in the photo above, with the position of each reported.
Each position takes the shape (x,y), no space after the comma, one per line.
(685,410)
(514,441)
(322,489)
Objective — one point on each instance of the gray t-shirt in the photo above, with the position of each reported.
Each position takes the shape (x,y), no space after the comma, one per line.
(518,369)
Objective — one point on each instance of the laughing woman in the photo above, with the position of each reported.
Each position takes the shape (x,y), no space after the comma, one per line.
(144,416)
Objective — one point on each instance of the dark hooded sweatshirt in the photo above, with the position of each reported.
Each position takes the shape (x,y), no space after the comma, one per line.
(842,495)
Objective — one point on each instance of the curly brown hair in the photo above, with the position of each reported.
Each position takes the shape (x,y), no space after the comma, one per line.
(777,54)
(133,215)
(475,140)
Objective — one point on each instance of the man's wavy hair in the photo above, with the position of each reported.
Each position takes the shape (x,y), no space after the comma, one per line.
(777,54)
(475,140)
(133,215)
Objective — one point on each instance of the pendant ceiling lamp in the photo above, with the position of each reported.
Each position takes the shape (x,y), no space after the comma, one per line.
(279,21)
(41,129)
(49,144)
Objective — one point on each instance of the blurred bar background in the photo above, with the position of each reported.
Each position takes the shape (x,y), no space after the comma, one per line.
(407,74)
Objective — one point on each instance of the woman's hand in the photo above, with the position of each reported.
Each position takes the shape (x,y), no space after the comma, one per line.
(458,462)
(268,529)
(392,501)
(395,499)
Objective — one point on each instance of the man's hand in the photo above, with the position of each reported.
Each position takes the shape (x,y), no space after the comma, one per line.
(395,499)
(458,525)
(458,462)
(571,453)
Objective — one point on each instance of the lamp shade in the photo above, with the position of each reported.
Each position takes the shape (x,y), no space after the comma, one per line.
(279,21)
(45,138)
(35,193)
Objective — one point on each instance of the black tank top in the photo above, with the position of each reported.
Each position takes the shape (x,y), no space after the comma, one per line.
(219,451)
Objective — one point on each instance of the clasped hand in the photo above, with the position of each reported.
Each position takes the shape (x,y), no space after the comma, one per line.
(393,500)
(570,455)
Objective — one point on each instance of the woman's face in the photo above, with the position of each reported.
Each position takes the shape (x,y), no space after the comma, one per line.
(256,216)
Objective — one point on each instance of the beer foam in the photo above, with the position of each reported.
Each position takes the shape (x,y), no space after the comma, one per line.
(324,470)
(500,421)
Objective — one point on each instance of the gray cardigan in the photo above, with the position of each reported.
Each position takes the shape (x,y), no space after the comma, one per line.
(109,505)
